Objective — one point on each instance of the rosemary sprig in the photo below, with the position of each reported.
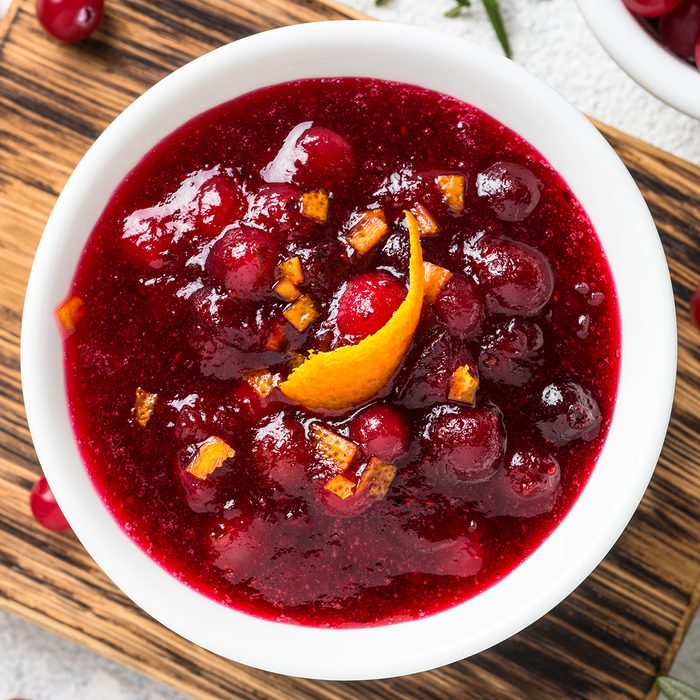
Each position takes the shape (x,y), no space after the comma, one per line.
(674,689)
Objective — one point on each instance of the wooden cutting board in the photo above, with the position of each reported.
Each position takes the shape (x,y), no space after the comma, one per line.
(608,639)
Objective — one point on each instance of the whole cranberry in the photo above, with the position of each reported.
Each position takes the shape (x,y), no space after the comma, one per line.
(516,279)
(460,306)
(220,202)
(680,29)
(511,190)
(276,209)
(425,377)
(695,307)
(280,451)
(69,20)
(312,156)
(511,351)
(45,508)
(238,546)
(148,241)
(381,431)
(243,260)
(566,412)
(466,444)
(533,474)
(651,8)
(367,303)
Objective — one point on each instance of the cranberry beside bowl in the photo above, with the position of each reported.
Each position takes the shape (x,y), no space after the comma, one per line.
(642,44)
(502,460)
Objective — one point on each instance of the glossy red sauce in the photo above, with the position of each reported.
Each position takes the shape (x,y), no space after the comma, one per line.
(176,287)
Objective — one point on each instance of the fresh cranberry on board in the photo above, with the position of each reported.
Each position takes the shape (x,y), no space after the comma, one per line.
(45,508)
(270,232)
(69,20)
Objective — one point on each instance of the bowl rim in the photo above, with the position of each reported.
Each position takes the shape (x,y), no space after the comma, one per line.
(606,504)
(643,58)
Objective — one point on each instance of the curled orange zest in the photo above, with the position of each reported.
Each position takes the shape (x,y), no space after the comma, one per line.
(350,375)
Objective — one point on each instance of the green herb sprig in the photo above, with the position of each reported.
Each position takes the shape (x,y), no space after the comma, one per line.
(493,12)
(674,689)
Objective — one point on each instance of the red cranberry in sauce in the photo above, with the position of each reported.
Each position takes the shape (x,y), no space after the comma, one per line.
(44,507)
(466,444)
(239,546)
(697,52)
(147,241)
(349,507)
(651,8)
(424,378)
(280,451)
(367,303)
(533,474)
(695,307)
(460,306)
(312,157)
(516,278)
(69,20)
(567,412)
(276,209)
(380,431)
(220,203)
(511,351)
(461,556)
(511,190)
(243,260)
(680,29)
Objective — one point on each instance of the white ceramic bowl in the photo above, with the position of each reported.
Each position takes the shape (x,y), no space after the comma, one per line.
(619,214)
(642,57)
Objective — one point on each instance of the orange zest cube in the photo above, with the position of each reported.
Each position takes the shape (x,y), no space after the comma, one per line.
(286,289)
(376,477)
(262,380)
(333,447)
(436,278)
(144,406)
(275,339)
(295,360)
(368,231)
(211,454)
(292,270)
(302,313)
(463,385)
(452,188)
(341,486)
(314,205)
(70,313)
(426,224)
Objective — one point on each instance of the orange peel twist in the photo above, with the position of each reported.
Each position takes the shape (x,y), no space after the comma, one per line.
(351,375)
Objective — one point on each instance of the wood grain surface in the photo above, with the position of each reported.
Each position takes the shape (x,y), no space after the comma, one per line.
(607,640)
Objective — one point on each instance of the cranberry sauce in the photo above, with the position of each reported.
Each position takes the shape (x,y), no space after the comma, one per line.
(176,299)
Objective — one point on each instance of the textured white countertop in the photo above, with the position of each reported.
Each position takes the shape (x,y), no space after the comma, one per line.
(551,40)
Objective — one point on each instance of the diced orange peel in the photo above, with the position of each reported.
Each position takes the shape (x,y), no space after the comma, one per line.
(333,447)
(144,406)
(436,278)
(314,206)
(292,270)
(262,381)
(302,313)
(349,375)
(463,385)
(295,359)
(452,188)
(211,454)
(341,486)
(368,231)
(286,289)
(70,313)
(426,224)
(376,477)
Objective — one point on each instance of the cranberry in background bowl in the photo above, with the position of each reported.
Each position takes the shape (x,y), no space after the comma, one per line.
(642,45)
(629,239)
